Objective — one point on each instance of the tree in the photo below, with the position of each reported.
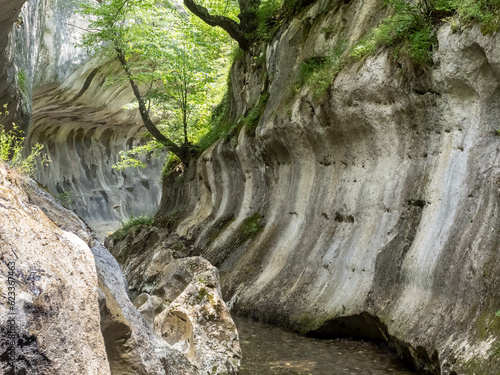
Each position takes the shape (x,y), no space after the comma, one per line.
(169,61)
(240,32)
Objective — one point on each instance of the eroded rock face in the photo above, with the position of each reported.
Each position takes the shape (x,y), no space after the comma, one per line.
(73,313)
(375,203)
(55,88)
(132,348)
(9,14)
(179,296)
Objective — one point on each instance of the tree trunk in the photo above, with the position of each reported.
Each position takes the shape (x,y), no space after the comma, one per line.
(150,126)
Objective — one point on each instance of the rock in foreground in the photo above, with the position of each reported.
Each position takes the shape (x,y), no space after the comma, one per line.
(72,313)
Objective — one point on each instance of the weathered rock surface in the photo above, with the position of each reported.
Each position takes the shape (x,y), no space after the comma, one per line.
(73,313)
(372,210)
(9,14)
(179,296)
(77,117)
(132,347)
(54,325)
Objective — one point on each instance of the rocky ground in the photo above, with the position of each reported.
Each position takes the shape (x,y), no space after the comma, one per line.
(65,305)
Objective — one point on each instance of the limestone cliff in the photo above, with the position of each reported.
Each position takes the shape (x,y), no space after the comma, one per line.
(372,210)
(63,96)
(64,300)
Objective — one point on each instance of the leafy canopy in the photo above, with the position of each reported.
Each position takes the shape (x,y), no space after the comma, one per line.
(176,62)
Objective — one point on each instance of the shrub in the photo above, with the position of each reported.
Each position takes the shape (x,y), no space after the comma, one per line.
(251,120)
(65,198)
(251,225)
(319,71)
(220,125)
(12,149)
(410,30)
(131,222)
(267,16)
(412,27)
(486,12)
(22,81)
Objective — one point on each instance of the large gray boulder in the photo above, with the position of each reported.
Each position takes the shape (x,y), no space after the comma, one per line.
(53,326)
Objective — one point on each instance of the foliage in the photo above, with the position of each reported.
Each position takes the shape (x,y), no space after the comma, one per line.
(65,198)
(272,14)
(176,61)
(22,81)
(496,348)
(132,158)
(486,12)
(319,71)
(411,29)
(172,162)
(251,225)
(11,149)
(251,120)
(220,128)
(131,222)
(267,17)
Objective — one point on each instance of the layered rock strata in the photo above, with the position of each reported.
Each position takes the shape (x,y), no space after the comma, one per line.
(63,96)
(371,210)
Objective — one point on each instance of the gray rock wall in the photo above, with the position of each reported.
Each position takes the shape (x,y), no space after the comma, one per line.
(373,208)
(63,96)
(9,14)
(50,321)
(84,143)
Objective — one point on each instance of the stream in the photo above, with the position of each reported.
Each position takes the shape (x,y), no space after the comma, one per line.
(268,350)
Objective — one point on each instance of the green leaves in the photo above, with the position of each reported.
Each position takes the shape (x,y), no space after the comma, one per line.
(11,149)
(177,62)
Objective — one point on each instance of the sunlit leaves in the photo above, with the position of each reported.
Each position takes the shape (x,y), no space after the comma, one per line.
(179,62)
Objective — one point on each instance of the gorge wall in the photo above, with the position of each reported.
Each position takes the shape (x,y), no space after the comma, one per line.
(371,211)
(64,103)
(64,303)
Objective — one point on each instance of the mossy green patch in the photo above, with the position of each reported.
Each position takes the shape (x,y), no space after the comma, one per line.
(221,125)
(319,72)
(251,225)
(251,120)
(131,222)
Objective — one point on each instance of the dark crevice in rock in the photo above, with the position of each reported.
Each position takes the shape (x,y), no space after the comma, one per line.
(365,326)
(343,218)
(87,83)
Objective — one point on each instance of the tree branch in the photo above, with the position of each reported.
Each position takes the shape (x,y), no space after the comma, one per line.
(229,25)
(155,132)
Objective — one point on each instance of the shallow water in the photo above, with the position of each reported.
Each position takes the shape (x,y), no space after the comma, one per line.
(269,350)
